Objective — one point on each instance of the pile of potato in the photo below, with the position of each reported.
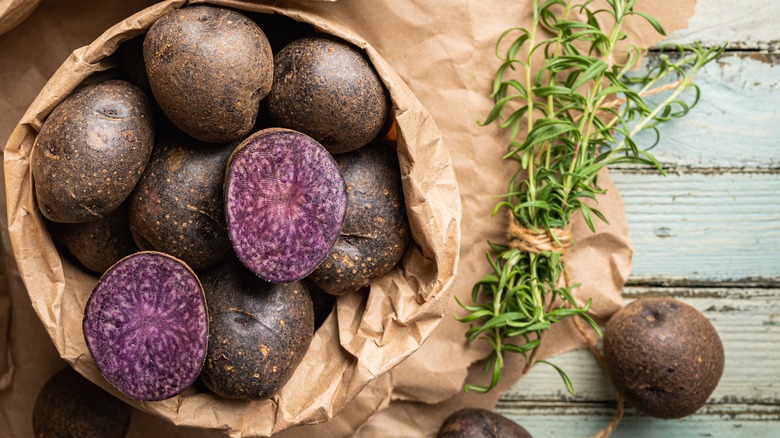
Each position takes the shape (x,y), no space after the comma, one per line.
(219,183)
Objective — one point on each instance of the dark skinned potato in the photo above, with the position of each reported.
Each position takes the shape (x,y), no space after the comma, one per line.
(71,406)
(91,151)
(663,356)
(376,230)
(177,206)
(480,423)
(97,244)
(258,332)
(328,90)
(208,68)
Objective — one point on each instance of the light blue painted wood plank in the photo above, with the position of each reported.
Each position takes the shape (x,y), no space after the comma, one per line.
(736,123)
(703,227)
(747,321)
(583,421)
(747,24)
(746,402)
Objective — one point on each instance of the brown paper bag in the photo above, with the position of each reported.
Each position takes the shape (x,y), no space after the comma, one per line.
(6,361)
(364,338)
(13,12)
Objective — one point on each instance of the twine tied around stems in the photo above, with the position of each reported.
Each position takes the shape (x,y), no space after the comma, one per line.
(525,239)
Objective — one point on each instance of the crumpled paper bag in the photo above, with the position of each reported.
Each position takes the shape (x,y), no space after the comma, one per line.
(444,51)
(367,335)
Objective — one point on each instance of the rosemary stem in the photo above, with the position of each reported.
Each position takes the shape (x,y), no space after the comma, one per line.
(530,115)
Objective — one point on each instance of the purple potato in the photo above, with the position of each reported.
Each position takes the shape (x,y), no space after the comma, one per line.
(146,326)
(258,332)
(177,206)
(376,229)
(69,405)
(663,356)
(328,90)
(284,203)
(209,68)
(97,244)
(91,151)
(480,423)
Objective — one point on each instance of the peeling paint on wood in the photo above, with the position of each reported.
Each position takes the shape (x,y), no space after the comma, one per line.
(746,400)
(747,327)
(737,421)
(706,227)
(736,125)
(745,25)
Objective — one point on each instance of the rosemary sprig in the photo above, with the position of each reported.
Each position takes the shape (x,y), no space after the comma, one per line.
(581,113)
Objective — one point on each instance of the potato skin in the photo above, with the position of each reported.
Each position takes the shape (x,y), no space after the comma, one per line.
(97,244)
(664,356)
(177,207)
(69,405)
(91,151)
(480,423)
(209,68)
(376,229)
(258,332)
(327,89)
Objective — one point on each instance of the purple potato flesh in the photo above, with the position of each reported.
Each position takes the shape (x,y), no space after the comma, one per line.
(146,326)
(285,201)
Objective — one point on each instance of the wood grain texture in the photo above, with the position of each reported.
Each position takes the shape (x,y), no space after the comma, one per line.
(736,124)
(745,403)
(584,420)
(703,227)
(744,25)
(747,320)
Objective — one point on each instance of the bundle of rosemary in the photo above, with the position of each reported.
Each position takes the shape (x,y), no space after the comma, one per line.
(581,111)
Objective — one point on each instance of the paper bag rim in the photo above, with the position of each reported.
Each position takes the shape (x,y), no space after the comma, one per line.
(425,275)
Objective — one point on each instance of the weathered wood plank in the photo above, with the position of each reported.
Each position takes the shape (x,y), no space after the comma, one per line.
(584,420)
(703,226)
(736,124)
(745,403)
(745,25)
(747,320)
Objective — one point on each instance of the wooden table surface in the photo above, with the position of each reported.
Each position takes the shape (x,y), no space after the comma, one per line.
(708,234)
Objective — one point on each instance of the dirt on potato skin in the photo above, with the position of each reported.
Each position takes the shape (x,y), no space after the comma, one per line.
(91,151)
(97,244)
(177,207)
(69,405)
(209,68)
(664,356)
(480,423)
(376,229)
(327,89)
(258,332)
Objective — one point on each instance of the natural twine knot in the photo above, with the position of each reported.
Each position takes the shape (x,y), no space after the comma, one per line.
(525,239)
